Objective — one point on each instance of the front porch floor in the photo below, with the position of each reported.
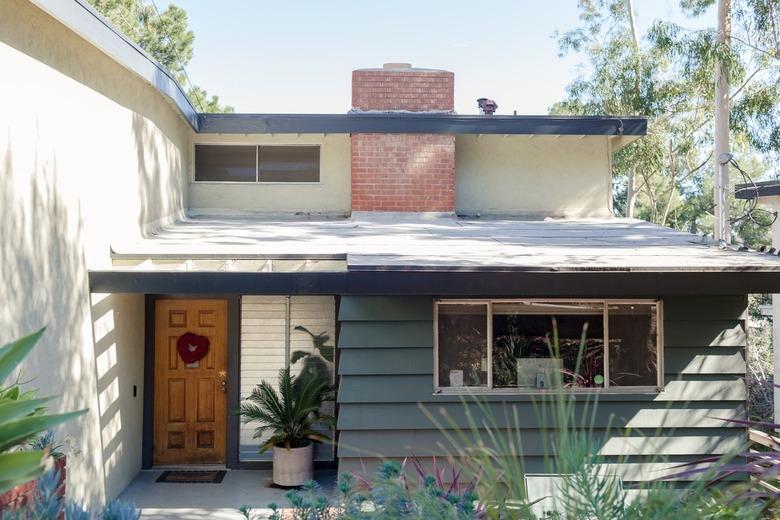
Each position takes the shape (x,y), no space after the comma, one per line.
(210,501)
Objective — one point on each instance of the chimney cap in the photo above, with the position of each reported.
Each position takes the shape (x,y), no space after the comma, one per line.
(396,65)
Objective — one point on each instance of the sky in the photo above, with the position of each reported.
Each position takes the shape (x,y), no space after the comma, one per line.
(296,56)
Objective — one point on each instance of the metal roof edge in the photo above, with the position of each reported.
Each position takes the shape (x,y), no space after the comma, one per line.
(425,122)
(82,19)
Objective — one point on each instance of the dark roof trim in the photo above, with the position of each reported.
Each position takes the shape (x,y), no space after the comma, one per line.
(424,123)
(461,284)
(81,18)
(758,189)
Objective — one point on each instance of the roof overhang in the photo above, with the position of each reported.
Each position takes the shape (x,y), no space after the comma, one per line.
(422,123)
(84,20)
(439,283)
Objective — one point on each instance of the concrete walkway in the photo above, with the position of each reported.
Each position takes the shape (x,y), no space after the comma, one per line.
(210,501)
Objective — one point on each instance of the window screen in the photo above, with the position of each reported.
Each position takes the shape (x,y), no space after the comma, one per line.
(289,163)
(225,163)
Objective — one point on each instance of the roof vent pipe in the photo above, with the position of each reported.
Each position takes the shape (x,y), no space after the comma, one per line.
(487,107)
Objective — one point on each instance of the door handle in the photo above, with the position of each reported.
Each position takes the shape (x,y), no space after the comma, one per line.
(223,381)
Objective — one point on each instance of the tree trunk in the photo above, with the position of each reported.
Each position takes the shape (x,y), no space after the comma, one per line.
(722,41)
(631,193)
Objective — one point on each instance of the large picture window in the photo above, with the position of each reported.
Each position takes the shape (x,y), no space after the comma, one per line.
(250,163)
(507,345)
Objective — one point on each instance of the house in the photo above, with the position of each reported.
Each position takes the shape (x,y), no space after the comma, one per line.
(767,194)
(419,240)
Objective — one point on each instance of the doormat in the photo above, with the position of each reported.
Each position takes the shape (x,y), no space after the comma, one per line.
(192,477)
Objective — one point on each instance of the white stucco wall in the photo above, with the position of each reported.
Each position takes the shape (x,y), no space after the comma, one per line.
(534,176)
(331,196)
(88,152)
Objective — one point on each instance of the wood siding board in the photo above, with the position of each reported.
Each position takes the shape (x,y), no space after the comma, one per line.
(391,334)
(419,388)
(383,308)
(398,443)
(643,469)
(387,361)
(705,308)
(705,360)
(703,333)
(376,416)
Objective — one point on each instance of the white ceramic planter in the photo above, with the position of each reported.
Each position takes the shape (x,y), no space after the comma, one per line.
(293,467)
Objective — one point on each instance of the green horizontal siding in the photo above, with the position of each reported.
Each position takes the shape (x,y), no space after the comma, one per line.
(386,393)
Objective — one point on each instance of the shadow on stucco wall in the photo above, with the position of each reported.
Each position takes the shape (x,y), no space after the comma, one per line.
(162,178)
(43,282)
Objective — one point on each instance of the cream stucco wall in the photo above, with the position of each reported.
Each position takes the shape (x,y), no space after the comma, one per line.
(88,152)
(533,176)
(331,196)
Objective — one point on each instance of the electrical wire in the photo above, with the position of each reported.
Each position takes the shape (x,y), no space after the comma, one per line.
(176,55)
(750,207)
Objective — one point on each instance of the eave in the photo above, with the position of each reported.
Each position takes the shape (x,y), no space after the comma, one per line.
(441,284)
(426,123)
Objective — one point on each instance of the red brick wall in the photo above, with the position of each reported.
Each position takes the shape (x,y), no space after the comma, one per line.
(417,90)
(403,172)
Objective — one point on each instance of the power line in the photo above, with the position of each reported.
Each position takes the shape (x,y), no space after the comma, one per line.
(176,55)
(750,208)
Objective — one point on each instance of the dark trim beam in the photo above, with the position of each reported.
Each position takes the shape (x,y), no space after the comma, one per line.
(757,190)
(389,123)
(450,284)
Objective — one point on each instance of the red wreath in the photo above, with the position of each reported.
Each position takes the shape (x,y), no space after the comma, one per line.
(192,347)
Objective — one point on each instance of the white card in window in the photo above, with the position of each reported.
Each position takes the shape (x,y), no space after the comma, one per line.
(530,371)
(456,378)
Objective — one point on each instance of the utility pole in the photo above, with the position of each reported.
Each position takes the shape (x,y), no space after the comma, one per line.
(721,155)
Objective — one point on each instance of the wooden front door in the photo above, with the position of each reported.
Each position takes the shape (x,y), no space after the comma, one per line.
(190,400)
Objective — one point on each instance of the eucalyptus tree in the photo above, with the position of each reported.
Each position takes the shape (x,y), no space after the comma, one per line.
(627,74)
(166,36)
(668,74)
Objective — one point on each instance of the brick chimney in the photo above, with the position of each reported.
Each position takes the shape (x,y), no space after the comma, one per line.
(403,172)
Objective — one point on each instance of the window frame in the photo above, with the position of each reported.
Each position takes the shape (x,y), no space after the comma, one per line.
(257,180)
(487,390)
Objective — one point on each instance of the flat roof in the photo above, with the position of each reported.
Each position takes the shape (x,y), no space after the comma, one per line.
(396,242)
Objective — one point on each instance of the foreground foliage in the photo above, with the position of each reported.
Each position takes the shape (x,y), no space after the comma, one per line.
(22,417)
(390,494)
(47,503)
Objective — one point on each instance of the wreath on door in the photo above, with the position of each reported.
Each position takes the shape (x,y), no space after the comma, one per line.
(192,347)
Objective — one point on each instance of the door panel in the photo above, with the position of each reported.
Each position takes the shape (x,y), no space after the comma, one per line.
(190,402)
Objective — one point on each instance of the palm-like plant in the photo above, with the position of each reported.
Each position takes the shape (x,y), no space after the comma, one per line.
(291,414)
(22,417)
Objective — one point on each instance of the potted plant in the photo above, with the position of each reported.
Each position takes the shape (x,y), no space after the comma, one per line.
(290,416)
